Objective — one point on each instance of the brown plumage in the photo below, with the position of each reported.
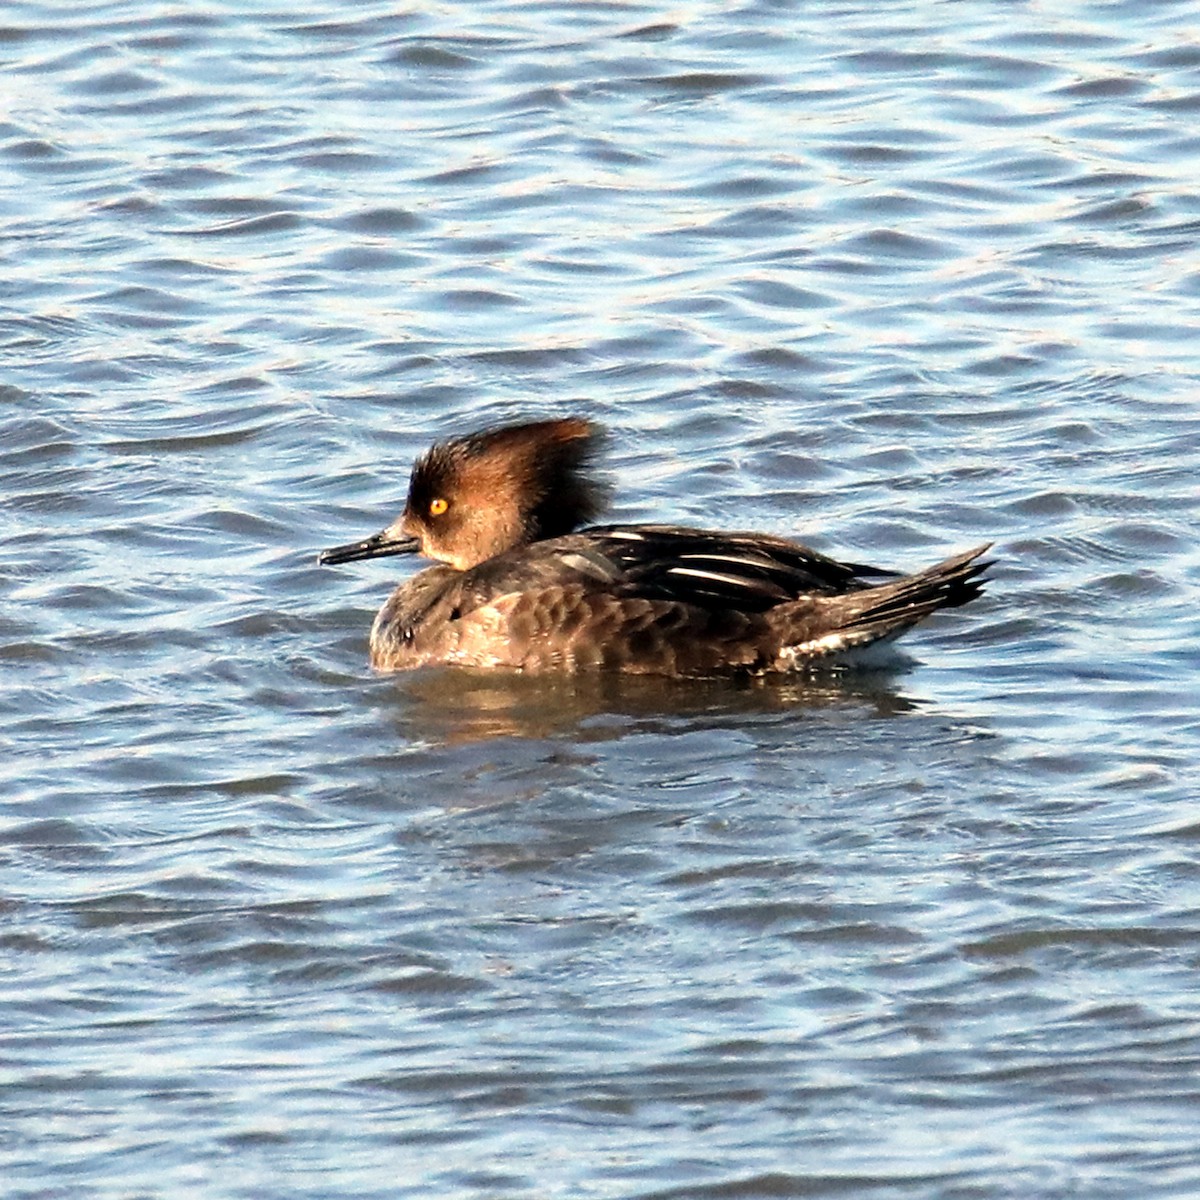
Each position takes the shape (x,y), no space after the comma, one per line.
(517,587)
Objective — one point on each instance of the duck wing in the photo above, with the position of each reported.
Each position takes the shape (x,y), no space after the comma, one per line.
(751,572)
(701,568)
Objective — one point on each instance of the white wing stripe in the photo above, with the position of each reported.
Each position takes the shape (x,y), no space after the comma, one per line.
(717,577)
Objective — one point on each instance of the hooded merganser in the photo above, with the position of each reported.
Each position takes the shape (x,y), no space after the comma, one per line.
(520,585)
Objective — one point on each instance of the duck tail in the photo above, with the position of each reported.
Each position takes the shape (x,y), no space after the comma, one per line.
(829,625)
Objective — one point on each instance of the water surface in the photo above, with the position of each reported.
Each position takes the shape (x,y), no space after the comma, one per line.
(894,281)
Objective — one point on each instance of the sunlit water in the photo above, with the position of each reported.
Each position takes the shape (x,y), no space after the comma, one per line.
(896,279)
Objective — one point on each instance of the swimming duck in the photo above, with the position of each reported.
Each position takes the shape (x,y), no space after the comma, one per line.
(523,582)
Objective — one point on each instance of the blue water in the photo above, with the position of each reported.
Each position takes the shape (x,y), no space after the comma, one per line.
(893,280)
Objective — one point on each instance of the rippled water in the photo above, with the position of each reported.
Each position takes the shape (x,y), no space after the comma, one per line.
(896,279)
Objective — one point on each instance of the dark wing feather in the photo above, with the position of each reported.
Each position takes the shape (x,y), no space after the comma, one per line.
(748,571)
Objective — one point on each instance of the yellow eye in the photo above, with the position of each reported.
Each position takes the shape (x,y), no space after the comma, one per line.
(438,506)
